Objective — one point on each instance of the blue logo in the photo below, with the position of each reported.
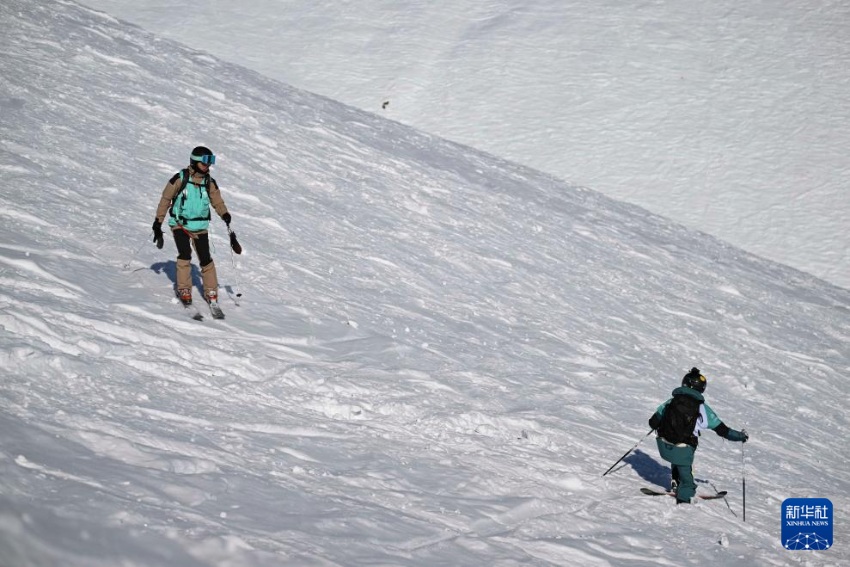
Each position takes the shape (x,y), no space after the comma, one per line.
(807,524)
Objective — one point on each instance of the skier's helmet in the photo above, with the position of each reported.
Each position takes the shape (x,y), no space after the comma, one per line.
(202,154)
(695,380)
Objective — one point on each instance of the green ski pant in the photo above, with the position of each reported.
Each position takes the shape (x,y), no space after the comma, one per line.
(681,459)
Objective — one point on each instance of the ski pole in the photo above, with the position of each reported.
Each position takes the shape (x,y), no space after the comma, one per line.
(627,452)
(235,247)
(743,483)
(133,257)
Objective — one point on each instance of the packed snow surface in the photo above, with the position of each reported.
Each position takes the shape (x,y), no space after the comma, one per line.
(435,355)
(729,117)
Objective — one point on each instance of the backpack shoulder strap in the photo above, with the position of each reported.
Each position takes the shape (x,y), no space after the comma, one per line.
(184,178)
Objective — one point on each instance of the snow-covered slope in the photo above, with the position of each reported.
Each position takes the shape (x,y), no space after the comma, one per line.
(727,116)
(435,356)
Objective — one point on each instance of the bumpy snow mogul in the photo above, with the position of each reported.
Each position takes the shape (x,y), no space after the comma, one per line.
(187,199)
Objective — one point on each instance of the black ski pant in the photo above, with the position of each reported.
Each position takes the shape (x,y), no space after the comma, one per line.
(201,243)
(184,246)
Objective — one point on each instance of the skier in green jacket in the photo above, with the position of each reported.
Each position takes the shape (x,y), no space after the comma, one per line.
(678,423)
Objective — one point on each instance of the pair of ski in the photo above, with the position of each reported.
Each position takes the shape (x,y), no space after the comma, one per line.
(653,492)
(195,313)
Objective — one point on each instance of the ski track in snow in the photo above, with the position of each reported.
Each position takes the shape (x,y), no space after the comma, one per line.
(436,354)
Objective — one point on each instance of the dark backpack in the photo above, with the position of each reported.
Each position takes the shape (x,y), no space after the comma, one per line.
(679,419)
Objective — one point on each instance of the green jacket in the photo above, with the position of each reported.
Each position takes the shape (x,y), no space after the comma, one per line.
(706,418)
(190,208)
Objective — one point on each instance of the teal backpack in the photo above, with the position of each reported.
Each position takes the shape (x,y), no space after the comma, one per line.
(188,209)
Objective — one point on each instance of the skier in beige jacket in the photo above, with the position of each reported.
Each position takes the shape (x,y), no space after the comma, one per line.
(188,196)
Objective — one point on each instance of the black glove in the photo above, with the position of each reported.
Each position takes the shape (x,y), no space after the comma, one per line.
(234,244)
(737,435)
(226,218)
(157,233)
(655,421)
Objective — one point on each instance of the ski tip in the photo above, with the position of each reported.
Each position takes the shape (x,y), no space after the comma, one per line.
(653,492)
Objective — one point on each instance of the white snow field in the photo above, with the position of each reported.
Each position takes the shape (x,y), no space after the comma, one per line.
(729,117)
(435,356)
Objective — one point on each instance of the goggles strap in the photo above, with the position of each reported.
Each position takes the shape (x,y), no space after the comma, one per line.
(209,159)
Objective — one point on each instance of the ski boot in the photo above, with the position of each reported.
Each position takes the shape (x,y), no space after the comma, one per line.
(212,298)
(185,296)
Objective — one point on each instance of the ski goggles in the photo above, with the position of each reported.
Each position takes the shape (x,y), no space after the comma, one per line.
(208,159)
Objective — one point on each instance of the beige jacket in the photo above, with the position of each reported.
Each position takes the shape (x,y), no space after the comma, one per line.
(173,187)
